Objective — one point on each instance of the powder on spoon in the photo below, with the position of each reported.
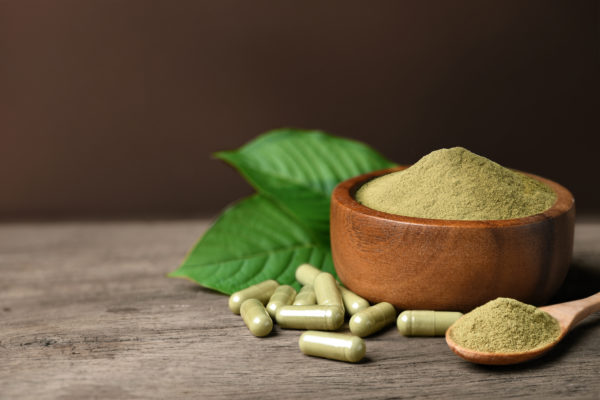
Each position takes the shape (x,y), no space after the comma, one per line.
(505,326)
(457,184)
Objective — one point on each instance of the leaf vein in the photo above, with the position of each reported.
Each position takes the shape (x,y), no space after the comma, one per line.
(255,255)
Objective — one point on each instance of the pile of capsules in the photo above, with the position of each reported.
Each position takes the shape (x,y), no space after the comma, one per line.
(320,307)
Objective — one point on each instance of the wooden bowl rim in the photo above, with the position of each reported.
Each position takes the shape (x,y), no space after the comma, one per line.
(343,195)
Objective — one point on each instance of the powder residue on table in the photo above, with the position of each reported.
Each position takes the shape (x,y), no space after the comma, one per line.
(505,326)
(459,185)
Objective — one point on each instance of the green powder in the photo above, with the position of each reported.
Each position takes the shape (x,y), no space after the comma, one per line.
(505,326)
(457,184)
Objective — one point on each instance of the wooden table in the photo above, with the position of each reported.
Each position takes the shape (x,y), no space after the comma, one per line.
(87,312)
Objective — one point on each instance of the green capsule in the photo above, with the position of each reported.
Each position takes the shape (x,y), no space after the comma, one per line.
(327,291)
(353,303)
(261,291)
(326,318)
(306,296)
(306,274)
(425,322)
(372,319)
(283,296)
(256,318)
(336,346)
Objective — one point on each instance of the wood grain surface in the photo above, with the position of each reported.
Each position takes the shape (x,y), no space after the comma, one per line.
(86,312)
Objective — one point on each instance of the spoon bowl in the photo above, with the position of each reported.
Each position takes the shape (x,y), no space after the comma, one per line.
(567,314)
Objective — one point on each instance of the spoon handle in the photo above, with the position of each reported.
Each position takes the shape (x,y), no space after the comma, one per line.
(570,313)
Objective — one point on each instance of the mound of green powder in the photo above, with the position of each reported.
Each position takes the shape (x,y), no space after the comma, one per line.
(505,326)
(457,184)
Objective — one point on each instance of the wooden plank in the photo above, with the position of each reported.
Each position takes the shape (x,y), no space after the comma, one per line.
(87,312)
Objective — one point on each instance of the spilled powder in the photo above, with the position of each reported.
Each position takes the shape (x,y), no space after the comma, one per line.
(457,184)
(505,326)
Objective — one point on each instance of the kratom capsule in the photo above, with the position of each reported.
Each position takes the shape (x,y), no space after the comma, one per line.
(283,296)
(306,296)
(336,346)
(306,274)
(353,303)
(261,291)
(426,323)
(326,318)
(256,318)
(372,319)
(327,291)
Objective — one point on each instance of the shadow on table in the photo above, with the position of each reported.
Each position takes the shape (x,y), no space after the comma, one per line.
(582,280)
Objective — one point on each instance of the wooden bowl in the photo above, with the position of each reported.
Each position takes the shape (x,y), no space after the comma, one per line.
(433,264)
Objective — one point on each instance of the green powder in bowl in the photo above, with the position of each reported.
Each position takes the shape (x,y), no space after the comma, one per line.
(505,326)
(458,185)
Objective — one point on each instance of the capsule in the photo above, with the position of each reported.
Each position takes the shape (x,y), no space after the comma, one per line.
(283,296)
(256,318)
(336,346)
(261,291)
(326,318)
(327,291)
(306,274)
(306,296)
(426,323)
(353,303)
(372,319)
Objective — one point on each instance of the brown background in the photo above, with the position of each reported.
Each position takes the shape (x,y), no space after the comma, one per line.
(112,108)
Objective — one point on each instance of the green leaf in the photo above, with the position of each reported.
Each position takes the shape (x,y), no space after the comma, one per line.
(299,169)
(252,241)
(268,235)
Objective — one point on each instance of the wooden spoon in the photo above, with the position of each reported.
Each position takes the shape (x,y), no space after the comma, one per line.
(567,314)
